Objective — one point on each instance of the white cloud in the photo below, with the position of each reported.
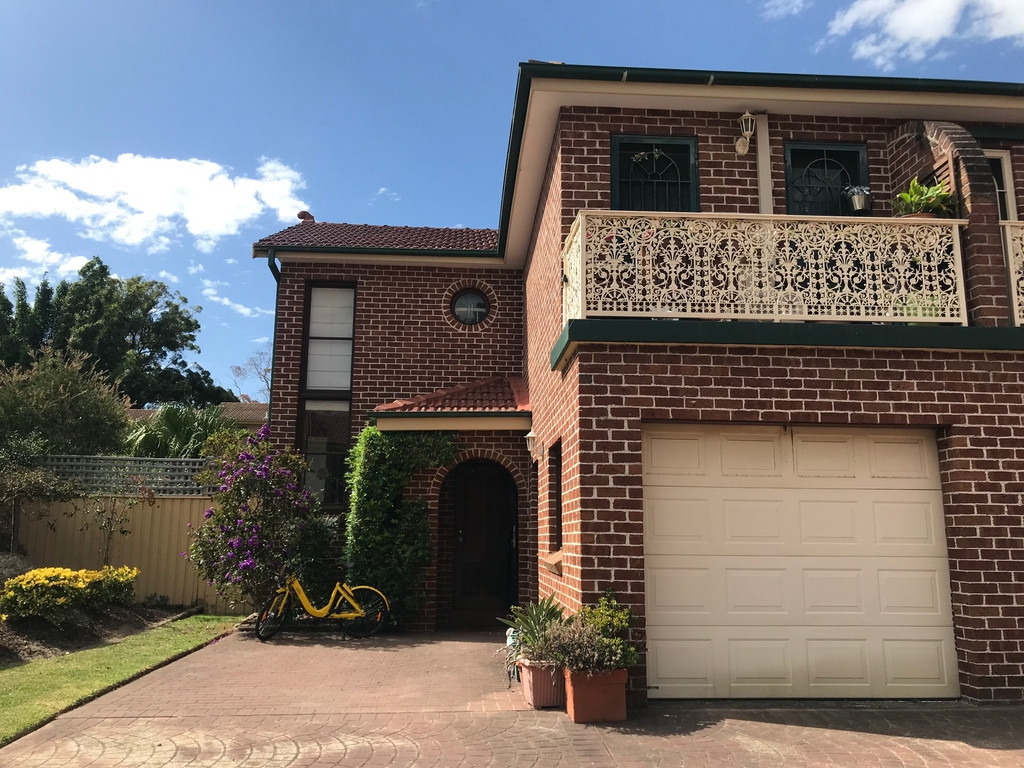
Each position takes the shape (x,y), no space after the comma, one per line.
(194,269)
(211,292)
(230,261)
(151,202)
(163,274)
(891,30)
(39,257)
(777,9)
(261,340)
(386,195)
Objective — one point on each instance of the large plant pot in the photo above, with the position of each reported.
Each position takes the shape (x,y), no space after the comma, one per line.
(543,684)
(596,698)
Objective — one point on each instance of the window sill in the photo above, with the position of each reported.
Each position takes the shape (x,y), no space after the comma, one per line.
(552,561)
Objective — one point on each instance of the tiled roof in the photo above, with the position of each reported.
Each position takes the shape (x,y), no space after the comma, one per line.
(310,234)
(483,396)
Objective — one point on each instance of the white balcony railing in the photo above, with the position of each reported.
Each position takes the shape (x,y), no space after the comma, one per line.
(757,267)
(1013,243)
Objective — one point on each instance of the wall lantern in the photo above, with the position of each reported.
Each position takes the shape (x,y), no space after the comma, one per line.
(531,441)
(747,125)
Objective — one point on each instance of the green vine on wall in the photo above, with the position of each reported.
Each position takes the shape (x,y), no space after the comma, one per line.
(388,536)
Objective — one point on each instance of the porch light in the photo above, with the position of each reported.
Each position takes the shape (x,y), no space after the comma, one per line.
(747,125)
(531,441)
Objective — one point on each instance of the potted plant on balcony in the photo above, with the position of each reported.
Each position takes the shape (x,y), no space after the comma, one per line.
(922,200)
(859,198)
(529,652)
(593,649)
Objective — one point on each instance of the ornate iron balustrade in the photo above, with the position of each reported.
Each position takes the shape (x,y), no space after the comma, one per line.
(1013,243)
(758,267)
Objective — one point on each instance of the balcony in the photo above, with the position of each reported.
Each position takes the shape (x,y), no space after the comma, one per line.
(1013,242)
(773,268)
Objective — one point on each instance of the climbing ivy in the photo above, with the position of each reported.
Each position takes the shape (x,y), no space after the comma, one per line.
(387,537)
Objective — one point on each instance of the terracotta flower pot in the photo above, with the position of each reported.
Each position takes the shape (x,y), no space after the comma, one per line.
(543,684)
(596,698)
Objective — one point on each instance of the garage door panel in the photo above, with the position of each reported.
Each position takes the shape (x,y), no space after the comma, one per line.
(803,662)
(778,591)
(745,521)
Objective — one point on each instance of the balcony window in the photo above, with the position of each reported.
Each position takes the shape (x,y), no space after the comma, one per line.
(654,173)
(817,174)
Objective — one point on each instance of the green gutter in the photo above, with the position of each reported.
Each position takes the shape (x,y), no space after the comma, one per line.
(768,334)
(530,70)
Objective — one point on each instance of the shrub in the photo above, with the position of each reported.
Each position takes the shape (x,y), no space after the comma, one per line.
(12,565)
(262,524)
(56,594)
(387,537)
(594,640)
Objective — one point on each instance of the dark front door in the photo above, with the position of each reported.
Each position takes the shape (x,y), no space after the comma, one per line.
(482,531)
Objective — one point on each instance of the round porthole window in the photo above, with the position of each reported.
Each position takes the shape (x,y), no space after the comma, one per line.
(470,307)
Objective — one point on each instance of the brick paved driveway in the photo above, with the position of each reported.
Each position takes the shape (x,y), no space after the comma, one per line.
(440,700)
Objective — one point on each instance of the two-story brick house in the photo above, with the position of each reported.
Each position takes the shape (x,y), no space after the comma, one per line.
(691,367)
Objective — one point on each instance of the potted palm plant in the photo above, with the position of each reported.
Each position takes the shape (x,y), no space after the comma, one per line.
(593,650)
(529,652)
(925,200)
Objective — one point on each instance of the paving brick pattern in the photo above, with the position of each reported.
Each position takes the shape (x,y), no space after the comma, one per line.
(440,700)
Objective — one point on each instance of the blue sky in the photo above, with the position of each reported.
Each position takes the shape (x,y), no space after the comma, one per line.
(167,137)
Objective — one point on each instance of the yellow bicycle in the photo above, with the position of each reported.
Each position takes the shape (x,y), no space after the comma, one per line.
(362,610)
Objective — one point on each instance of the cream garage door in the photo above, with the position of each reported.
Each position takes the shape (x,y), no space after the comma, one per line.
(795,563)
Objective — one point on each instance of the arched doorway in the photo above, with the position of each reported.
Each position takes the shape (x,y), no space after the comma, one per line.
(476,545)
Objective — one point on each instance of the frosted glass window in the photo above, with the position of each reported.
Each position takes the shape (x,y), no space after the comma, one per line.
(329,364)
(329,354)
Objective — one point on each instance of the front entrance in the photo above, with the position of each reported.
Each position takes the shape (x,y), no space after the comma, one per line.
(476,545)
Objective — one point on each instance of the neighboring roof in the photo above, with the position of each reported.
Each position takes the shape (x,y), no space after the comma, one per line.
(241,413)
(496,395)
(315,235)
(244,412)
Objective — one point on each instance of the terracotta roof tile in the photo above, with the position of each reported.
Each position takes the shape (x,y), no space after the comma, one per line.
(244,412)
(483,396)
(318,234)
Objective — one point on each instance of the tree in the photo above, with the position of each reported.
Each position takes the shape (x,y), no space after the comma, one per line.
(259,367)
(62,399)
(136,332)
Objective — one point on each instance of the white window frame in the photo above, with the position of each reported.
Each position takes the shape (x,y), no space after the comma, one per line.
(1004,158)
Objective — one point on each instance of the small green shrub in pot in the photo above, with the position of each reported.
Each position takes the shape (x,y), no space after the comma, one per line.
(595,639)
(920,198)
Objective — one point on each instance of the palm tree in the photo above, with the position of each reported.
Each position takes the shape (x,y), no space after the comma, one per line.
(176,431)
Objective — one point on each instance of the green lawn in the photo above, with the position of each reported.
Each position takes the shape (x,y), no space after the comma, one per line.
(31,694)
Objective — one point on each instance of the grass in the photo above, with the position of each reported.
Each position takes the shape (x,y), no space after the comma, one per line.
(34,693)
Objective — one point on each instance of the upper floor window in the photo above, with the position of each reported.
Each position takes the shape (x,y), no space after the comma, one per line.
(329,350)
(817,174)
(654,173)
(999,163)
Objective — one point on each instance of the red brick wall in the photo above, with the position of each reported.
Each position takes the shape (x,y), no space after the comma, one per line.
(972,400)
(405,344)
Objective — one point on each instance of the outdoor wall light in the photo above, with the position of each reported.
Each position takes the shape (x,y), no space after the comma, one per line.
(747,125)
(531,441)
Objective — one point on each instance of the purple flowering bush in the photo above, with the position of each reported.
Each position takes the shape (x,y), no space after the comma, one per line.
(262,524)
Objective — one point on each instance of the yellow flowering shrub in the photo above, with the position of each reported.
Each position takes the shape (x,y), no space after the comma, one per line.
(55,594)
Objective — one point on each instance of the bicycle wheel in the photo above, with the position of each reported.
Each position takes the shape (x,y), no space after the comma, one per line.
(272,615)
(375,613)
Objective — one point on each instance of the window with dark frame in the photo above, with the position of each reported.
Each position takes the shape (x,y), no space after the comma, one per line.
(1002,193)
(817,174)
(654,173)
(555,497)
(325,422)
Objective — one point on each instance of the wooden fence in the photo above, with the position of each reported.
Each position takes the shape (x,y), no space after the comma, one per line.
(159,534)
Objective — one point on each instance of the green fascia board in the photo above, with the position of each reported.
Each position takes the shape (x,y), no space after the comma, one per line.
(795,334)
(446,414)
